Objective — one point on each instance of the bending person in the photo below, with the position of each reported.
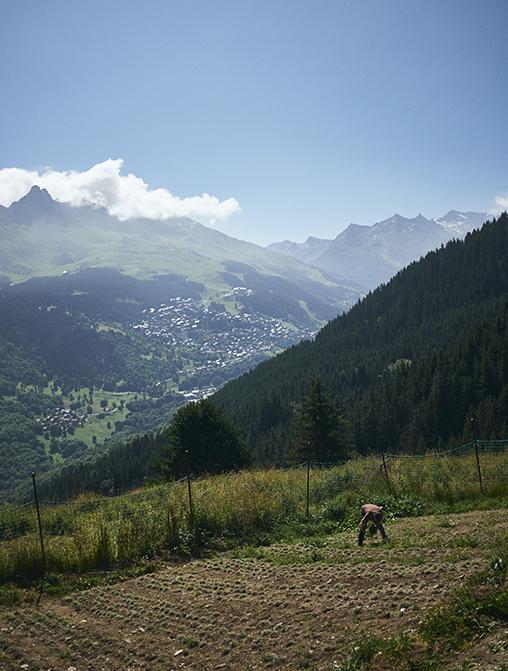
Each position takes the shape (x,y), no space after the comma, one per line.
(371,513)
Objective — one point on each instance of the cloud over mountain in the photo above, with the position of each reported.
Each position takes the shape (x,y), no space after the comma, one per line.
(501,204)
(123,196)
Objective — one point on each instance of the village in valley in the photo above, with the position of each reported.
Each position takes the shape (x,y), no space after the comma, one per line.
(220,340)
(207,345)
(64,420)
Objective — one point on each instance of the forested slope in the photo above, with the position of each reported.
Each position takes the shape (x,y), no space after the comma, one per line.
(408,365)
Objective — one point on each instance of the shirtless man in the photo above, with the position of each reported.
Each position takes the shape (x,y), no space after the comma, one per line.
(371,513)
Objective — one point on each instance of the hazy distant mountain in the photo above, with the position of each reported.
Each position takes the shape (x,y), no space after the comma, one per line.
(460,223)
(307,251)
(373,254)
(370,255)
(42,237)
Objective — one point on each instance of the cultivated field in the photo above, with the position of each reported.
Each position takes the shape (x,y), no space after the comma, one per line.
(302,605)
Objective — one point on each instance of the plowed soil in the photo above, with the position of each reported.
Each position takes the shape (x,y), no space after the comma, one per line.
(294,606)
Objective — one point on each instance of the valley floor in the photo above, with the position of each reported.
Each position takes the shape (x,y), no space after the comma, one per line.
(286,606)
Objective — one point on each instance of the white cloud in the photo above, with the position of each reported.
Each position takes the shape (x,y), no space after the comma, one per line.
(123,196)
(501,204)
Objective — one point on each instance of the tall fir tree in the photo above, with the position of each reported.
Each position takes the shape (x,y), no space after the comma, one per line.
(200,440)
(319,433)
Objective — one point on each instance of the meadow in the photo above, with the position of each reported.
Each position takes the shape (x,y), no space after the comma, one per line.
(99,423)
(252,507)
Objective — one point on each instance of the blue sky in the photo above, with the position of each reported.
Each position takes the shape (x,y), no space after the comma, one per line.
(310,114)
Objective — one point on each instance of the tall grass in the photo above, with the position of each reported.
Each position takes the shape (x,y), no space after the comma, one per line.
(98,532)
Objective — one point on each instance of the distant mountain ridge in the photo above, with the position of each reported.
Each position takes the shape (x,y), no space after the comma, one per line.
(371,255)
(42,237)
(461,223)
(307,251)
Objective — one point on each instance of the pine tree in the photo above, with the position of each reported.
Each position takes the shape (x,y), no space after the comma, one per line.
(201,439)
(318,432)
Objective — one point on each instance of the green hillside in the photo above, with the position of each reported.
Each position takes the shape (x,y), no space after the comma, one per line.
(234,508)
(42,237)
(96,356)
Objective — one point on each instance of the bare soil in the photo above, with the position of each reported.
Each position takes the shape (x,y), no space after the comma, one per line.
(287,606)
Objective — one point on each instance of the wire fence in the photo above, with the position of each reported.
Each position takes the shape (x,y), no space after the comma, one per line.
(94,532)
(480,462)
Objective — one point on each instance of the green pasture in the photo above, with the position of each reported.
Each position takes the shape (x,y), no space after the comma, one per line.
(96,423)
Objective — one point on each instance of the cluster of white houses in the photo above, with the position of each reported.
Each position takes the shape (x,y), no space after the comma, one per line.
(63,418)
(214,337)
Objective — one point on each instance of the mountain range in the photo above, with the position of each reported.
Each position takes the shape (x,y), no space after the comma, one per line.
(42,237)
(371,255)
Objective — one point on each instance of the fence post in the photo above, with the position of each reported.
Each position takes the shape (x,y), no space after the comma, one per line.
(477,453)
(386,473)
(189,488)
(41,537)
(189,492)
(308,488)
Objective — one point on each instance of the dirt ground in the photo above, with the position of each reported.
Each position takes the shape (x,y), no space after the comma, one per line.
(293,606)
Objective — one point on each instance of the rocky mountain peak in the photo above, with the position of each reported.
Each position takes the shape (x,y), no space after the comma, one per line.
(35,195)
(37,204)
